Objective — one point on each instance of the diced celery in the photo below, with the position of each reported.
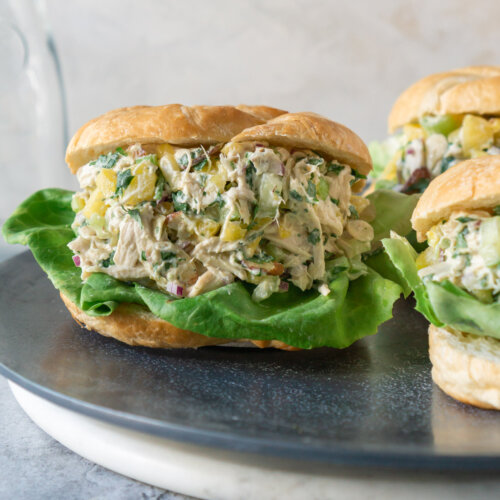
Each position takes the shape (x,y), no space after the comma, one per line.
(77,203)
(266,288)
(477,134)
(490,241)
(443,124)
(271,186)
(323,189)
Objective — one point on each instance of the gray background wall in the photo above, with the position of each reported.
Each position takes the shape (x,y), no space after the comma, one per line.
(348,60)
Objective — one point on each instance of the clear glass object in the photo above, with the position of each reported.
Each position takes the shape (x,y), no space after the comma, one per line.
(33,131)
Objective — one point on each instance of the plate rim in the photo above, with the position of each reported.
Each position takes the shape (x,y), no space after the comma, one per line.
(394,457)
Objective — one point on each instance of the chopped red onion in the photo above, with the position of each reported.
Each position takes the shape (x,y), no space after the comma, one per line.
(410,151)
(284,286)
(184,244)
(76,260)
(167,197)
(175,289)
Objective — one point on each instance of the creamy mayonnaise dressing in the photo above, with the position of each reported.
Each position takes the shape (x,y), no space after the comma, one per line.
(463,250)
(189,220)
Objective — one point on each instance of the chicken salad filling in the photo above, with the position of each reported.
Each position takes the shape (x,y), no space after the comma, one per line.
(190,220)
(465,250)
(419,152)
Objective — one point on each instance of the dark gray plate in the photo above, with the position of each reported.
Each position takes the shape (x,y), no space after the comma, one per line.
(371,404)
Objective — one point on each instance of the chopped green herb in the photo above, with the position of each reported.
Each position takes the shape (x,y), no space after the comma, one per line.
(143,255)
(496,210)
(123,179)
(311,190)
(335,201)
(314,161)
(461,241)
(203,180)
(484,282)
(446,163)
(169,259)
(136,215)
(255,235)
(106,161)
(261,258)
(180,203)
(184,160)
(314,237)
(249,174)
(199,166)
(468,259)
(334,167)
(121,151)
(219,201)
(354,212)
(160,186)
(295,195)
(152,158)
(323,189)
(357,175)
(465,219)
(253,223)
(109,261)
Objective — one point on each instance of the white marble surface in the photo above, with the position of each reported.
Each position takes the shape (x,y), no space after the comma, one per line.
(216,474)
(35,466)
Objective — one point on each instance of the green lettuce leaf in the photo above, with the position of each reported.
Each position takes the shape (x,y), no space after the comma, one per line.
(381,155)
(443,303)
(462,311)
(393,212)
(352,310)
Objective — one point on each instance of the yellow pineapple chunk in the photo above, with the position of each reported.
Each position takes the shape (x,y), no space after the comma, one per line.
(141,187)
(232,231)
(95,205)
(283,232)
(252,247)
(219,181)
(477,133)
(477,153)
(390,170)
(106,182)
(424,259)
(214,166)
(166,150)
(414,131)
(207,228)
